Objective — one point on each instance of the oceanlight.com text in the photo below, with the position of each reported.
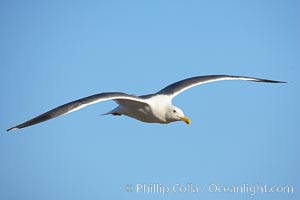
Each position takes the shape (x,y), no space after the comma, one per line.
(191,188)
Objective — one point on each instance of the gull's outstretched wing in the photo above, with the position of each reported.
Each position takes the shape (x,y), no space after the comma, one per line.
(180,86)
(78,104)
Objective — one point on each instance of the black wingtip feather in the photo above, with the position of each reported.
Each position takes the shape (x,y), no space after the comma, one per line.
(11,128)
(270,81)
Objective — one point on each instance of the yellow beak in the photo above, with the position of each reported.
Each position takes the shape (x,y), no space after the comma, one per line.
(186,120)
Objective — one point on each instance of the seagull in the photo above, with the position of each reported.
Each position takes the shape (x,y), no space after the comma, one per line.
(151,108)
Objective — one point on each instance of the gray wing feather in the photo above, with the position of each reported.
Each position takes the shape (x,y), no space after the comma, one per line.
(75,105)
(180,86)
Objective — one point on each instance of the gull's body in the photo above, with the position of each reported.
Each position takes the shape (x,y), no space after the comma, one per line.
(152,108)
(144,111)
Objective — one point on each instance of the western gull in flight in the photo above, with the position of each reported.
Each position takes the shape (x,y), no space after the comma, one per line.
(151,108)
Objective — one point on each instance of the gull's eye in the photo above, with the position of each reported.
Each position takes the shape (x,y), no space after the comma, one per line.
(174,111)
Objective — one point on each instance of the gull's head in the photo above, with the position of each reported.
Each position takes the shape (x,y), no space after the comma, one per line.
(176,114)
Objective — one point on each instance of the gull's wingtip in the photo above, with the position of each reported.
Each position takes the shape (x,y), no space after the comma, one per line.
(12,129)
(278,82)
(270,81)
(275,81)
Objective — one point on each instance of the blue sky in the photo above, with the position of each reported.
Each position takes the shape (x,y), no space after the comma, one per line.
(53,52)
